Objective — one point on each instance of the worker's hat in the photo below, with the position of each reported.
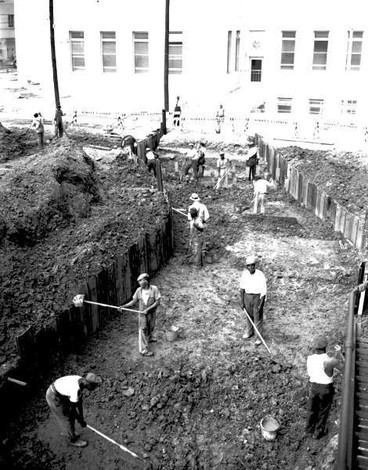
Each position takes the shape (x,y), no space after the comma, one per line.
(222,153)
(250,260)
(320,342)
(93,378)
(194,197)
(143,276)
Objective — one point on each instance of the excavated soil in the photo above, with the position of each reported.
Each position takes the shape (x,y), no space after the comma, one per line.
(198,402)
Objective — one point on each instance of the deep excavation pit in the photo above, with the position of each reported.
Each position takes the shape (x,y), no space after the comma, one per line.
(198,403)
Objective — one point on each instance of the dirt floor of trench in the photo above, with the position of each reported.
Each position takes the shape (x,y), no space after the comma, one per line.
(198,402)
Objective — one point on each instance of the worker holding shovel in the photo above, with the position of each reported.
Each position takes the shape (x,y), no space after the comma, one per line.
(64,398)
(149,299)
(223,170)
(253,289)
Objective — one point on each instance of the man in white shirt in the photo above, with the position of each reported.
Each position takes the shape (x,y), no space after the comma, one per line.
(223,169)
(64,398)
(320,368)
(260,190)
(151,160)
(253,290)
(191,160)
(202,210)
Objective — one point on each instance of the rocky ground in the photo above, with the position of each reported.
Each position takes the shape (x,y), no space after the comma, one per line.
(198,403)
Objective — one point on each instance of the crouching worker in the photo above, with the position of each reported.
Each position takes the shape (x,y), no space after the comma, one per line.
(149,299)
(64,398)
(320,368)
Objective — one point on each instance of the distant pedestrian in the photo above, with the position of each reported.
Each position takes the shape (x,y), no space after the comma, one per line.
(320,369)
(58,122)
(252,162)
(152,158)
(220,118)
(191,161)
(260,186)
(201,159)
(148,297)
(223,169)
(253,290)
(203,213)
(177,113)
(64,398)
(39,127)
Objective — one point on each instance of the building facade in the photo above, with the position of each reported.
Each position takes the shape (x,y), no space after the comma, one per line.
(7,32)
(283,59)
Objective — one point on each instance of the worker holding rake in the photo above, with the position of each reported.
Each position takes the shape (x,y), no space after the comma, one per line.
(148,297)
(253,289)
(64,398)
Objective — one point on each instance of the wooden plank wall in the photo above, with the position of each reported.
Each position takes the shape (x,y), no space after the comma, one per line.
(353,227)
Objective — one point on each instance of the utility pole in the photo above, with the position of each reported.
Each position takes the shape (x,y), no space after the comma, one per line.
(166,64)
(53,57)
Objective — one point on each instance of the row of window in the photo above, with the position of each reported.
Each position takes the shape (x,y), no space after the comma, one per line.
(140,49)
(320,50)
(287,61)
(9,19)
(316,106)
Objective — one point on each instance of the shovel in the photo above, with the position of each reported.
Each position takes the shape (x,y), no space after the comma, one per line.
(78,301)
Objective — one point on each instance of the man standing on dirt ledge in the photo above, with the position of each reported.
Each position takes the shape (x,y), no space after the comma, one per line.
(253,289)
(320,369)
(64,398)
(149,299)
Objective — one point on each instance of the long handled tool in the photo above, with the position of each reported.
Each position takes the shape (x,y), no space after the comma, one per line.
(258,333)
(125,449)
(222,177)
(78,301)
(179,211)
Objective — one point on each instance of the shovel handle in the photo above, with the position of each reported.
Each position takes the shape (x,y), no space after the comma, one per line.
(111,306)
(125,449)
(258,333)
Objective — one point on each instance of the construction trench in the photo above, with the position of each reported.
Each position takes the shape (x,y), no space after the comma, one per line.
(198,403)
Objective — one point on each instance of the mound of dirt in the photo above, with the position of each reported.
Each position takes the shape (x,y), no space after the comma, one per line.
(63,217)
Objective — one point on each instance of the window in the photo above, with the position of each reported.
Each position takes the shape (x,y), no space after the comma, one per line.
(11,21)
(76,39)
(175,52)
(354,50)
(237,50)
(348,107)
(288,50)
(320,50)
(229,43)
(284,105)
(256,70)
(140,40)
(108,47)
(316,106)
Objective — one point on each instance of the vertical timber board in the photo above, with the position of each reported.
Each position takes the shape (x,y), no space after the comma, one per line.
(102,295)
(324,205)
(360,239)
(128,278)
(85,312)
(92,296)
(332,211)
(152,254)
(119,285)
(25,344)
(142,247)
(112,292)
(348,226)
(134,263)
(318,205)
(141,150)
(300,188)
(354,229)
(64,329)
(337,218)
(294,182)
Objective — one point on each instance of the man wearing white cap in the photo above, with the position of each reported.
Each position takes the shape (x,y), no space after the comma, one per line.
(148,297)
(202,210)
(64,398)
(151,160)
(320,368)
(223,169)
(253,289)
(260,187)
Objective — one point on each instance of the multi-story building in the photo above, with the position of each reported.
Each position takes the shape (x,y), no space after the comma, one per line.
(285,57)
(7,32)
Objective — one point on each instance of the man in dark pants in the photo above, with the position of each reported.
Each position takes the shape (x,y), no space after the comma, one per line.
(64,398)
(320,369)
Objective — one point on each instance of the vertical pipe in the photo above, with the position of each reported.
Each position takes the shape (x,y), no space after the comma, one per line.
(345,443)
(53,54)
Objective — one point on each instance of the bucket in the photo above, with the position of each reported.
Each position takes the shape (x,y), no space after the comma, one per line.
(172,334)
(269,427)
